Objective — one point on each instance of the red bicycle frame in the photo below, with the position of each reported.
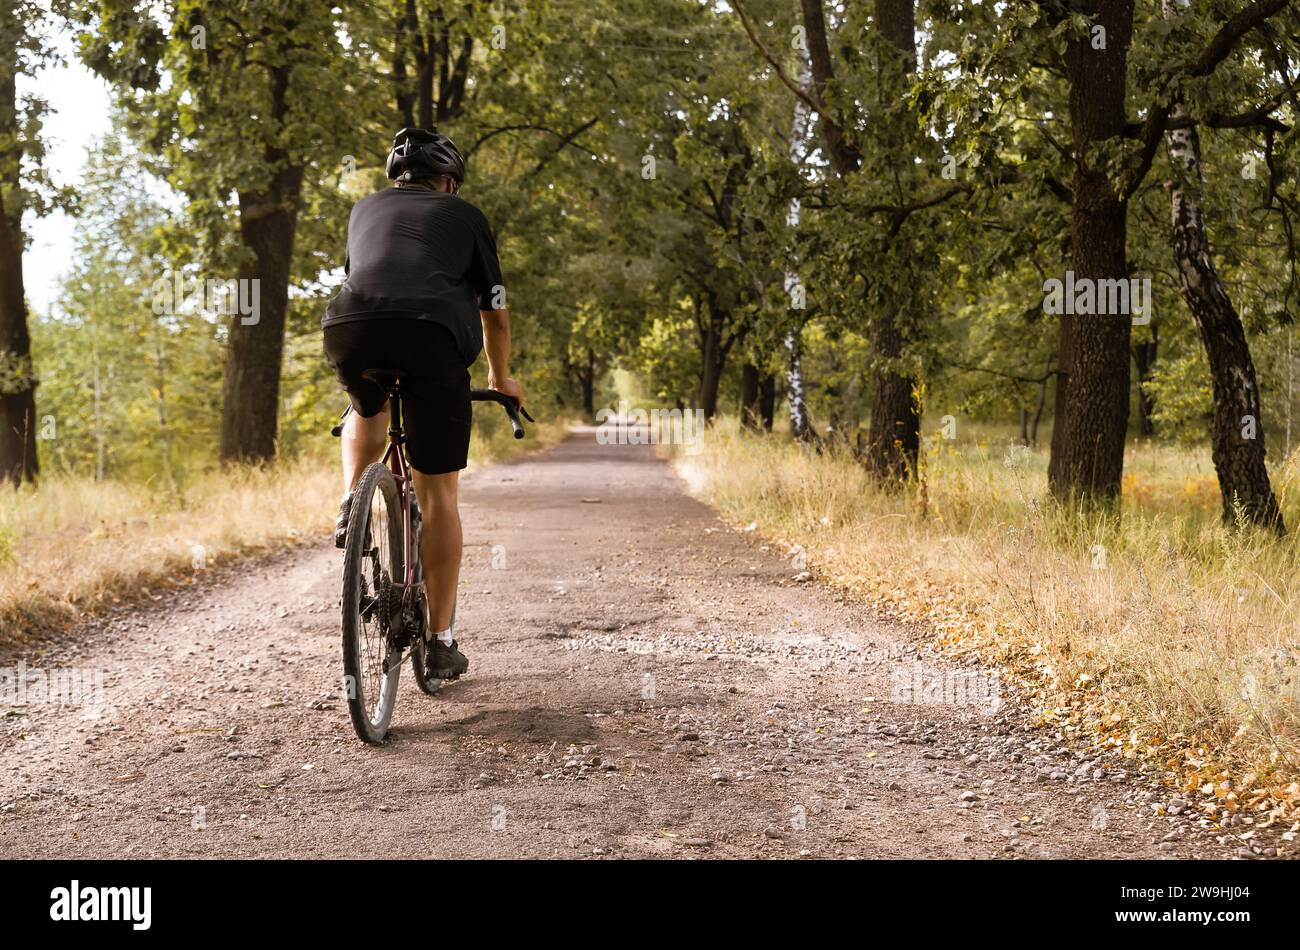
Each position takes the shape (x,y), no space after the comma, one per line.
(395,459)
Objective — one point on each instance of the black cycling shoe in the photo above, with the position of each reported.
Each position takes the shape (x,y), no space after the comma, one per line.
(341,523)
(444,662)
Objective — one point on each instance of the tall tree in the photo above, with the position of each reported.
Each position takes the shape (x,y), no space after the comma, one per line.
(698,138)
(894,438)
(18,122)
(796,403)
(1093,383)
(130,390)
(1238,446)
(251,103)
(884,279)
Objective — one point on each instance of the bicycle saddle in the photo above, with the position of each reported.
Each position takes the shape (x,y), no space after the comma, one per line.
(386,379)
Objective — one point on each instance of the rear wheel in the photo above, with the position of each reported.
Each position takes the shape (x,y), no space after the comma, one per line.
(372,578)
(428,685)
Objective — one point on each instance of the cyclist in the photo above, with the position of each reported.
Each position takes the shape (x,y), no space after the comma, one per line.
(423,295)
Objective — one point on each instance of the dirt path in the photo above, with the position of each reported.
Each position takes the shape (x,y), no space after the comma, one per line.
(644,682)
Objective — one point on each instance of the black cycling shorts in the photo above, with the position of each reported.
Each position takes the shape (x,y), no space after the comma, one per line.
(435,401)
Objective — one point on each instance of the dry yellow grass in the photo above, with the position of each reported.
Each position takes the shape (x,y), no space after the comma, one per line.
(1163,634)
(71,545)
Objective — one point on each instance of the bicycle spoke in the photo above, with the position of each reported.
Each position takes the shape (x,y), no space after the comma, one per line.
(372,593)
(374,620)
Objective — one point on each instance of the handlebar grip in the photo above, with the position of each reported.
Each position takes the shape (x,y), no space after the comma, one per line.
(515,424)
(512,408)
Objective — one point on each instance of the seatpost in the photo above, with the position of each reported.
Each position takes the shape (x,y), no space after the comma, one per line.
(395,411)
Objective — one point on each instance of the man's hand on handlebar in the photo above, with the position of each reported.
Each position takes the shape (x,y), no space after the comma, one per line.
(508,387)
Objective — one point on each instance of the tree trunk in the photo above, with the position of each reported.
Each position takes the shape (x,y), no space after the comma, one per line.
(1093,397)
(251,388)
(402,89)
(164,424)
(424,56)
(1238,438)
(1144,356)
(767,401)
(589,385)
(437,93)
(1038,411)
(794,393)
(97,407)
(1290,389)
(800,130)
(843,154)
(1061,399)
(894,433)
(896,20)
(17,374)
(712,361)
(749,396)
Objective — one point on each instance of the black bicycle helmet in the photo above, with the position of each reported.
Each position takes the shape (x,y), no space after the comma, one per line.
(420,154)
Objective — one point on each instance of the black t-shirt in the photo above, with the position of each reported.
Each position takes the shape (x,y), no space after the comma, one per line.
(423,254)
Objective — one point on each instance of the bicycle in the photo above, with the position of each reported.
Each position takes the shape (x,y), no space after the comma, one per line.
(383,585)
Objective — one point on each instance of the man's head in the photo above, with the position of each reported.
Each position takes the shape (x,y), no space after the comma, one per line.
(427,158)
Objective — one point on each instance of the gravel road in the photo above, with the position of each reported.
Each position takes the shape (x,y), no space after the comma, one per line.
(644,682)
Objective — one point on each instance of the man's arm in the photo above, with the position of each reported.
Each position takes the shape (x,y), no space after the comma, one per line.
(496,344)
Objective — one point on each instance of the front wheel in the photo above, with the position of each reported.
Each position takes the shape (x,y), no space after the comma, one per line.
(373,574)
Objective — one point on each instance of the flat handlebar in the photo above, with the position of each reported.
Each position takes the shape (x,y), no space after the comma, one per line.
(508,403)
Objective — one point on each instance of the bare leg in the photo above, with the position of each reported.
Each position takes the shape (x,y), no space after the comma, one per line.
(440,543)
(363,442)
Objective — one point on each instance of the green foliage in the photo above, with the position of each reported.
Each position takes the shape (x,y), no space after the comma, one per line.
(124,390)
(635,159)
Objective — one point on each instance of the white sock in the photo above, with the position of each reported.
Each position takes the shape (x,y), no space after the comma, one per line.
(444,636)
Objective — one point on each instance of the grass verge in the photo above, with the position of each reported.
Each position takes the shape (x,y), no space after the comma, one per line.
(1162,635)
(71,546)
